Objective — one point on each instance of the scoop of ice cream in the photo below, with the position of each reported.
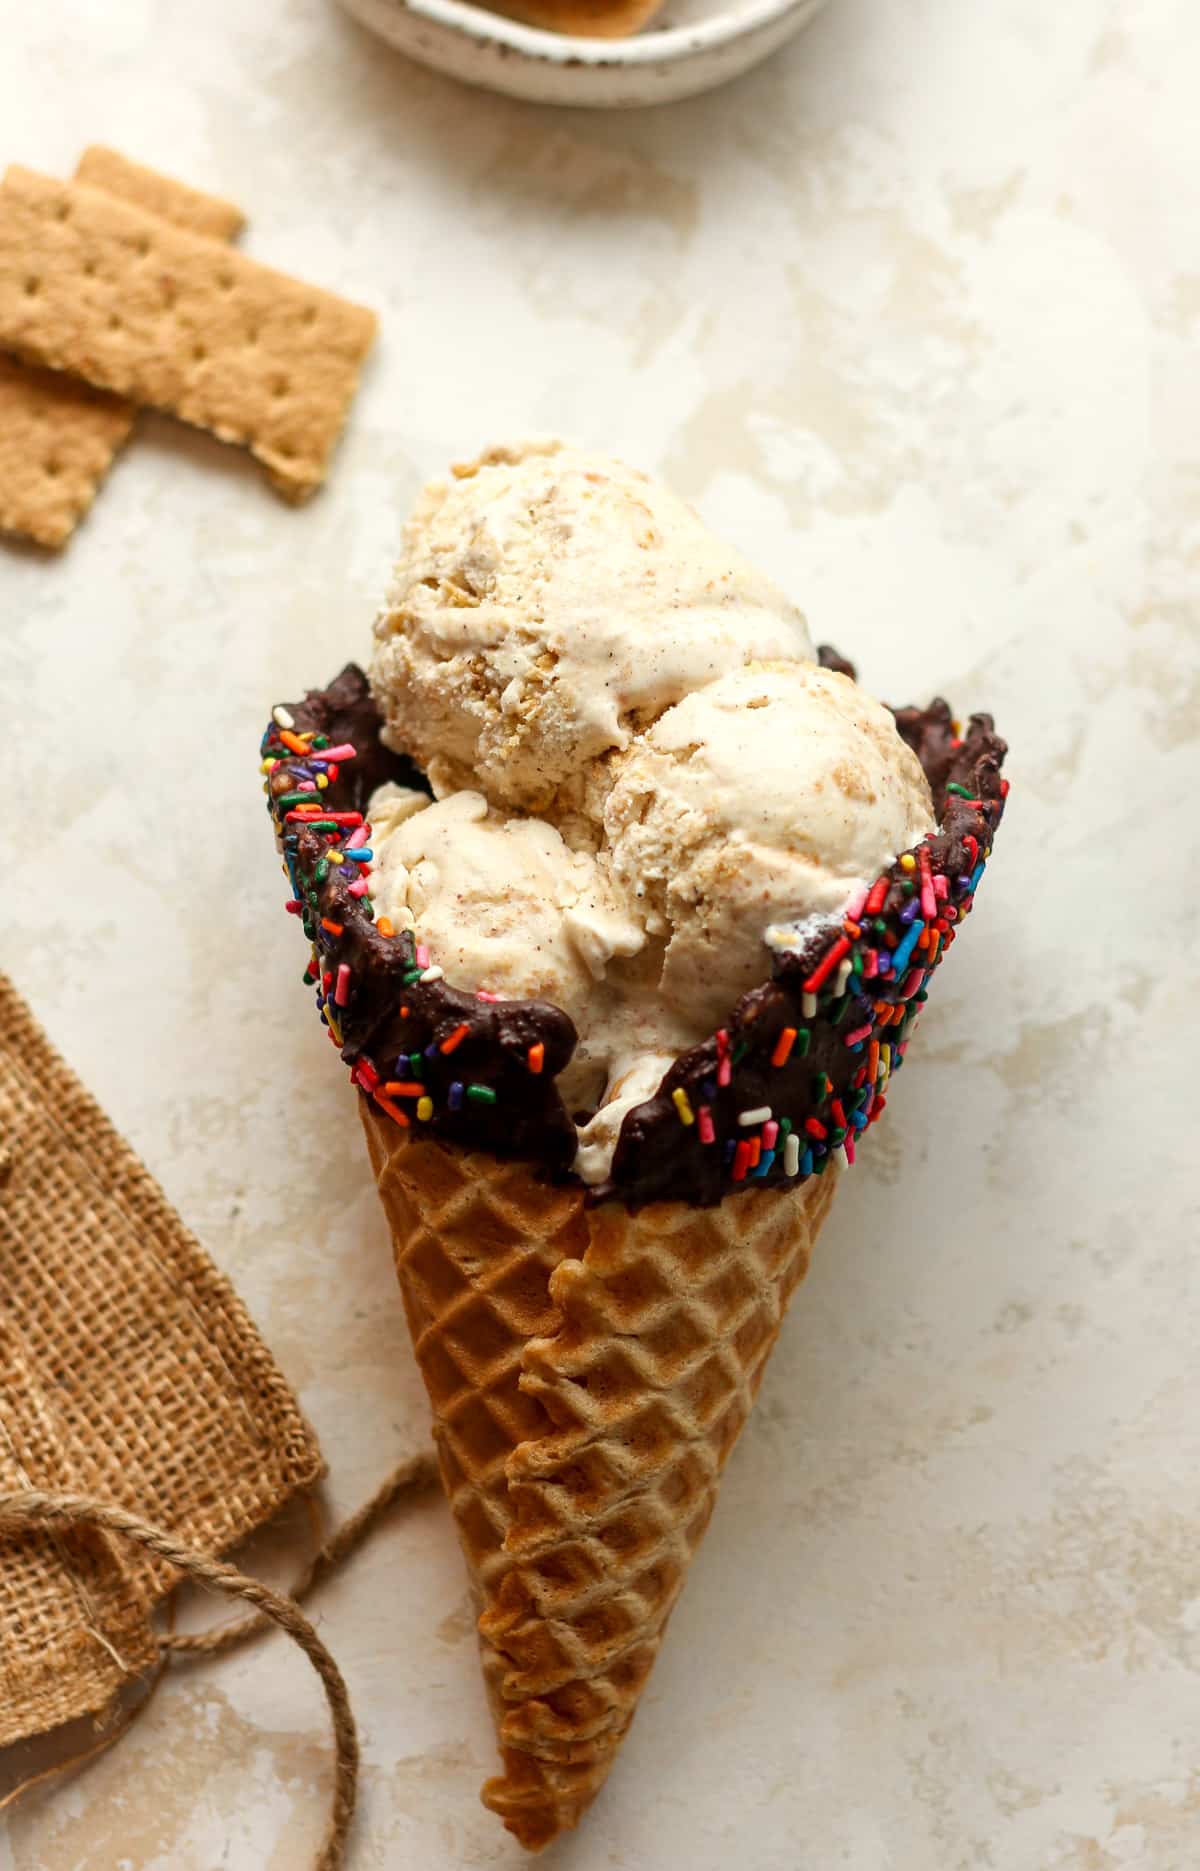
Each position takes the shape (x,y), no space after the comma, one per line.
(763,799)
(548,603)
(564,637)
(501,903)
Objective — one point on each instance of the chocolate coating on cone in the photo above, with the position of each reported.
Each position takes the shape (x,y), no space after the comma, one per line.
(800,1068)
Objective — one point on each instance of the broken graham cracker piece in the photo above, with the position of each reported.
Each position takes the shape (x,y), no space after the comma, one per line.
(93,286)
(58,436)
(159,194)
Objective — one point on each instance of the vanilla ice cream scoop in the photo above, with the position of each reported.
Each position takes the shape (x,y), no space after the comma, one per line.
(500,902)
(643,779)
(756,803)
(549,603)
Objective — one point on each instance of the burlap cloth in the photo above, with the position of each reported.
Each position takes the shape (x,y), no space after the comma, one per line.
(130,1370)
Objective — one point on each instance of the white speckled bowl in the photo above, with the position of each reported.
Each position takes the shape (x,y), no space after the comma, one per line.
(700,43)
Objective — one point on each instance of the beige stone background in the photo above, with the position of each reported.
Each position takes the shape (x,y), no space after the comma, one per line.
(912,314)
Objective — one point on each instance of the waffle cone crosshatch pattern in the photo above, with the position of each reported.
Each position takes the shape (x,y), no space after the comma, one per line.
(589,1372)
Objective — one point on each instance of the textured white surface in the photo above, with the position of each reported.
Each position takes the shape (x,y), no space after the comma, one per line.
(912,314)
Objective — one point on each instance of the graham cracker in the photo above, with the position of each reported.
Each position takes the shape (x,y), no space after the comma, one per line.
(159,194)
(58,439)
(110,293)
(58,436)
(129,1369)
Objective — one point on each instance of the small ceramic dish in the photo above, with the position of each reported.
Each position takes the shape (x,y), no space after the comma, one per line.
(694,45)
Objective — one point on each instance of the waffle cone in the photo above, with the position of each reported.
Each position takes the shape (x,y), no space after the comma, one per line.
(589,1371)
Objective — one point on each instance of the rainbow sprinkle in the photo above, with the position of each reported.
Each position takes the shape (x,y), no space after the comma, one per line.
(783,1046)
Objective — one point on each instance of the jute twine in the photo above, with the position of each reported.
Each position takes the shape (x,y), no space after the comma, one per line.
(37,1508)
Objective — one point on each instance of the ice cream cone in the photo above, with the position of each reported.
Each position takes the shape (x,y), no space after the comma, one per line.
(622,910)
(589,1371)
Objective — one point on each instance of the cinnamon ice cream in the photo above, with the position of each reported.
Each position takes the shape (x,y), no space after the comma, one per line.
(755,804)
(549,603)
(501,901)
(563,634)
